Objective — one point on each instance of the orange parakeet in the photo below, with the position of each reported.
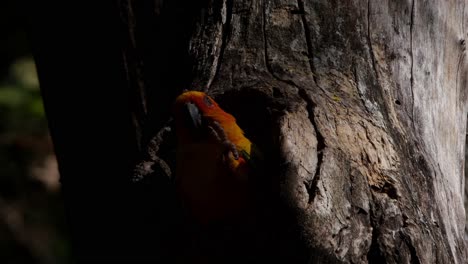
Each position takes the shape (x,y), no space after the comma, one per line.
(213,163)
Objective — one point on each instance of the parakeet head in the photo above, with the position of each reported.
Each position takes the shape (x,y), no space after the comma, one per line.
(195,115)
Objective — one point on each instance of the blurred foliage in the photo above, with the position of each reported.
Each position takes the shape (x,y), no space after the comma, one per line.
(32,222)
(32,216)
(20,99)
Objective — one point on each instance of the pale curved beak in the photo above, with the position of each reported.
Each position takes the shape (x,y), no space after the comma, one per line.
(192,116)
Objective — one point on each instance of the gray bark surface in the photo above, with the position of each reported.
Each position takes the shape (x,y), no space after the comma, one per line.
(366,106)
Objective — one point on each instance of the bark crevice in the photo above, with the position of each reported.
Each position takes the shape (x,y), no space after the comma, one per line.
(375,255)
(308,37)
(414,259)
(412,60)
(461,58)
(226,29)
(311,187)
(369,41)
(265,48)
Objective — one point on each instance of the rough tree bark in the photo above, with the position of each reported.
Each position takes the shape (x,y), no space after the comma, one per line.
(359,105)
(367,101)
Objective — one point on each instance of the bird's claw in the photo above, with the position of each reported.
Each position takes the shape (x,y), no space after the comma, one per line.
(218,132)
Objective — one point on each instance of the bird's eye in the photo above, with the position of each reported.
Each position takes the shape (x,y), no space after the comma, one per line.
(207,101)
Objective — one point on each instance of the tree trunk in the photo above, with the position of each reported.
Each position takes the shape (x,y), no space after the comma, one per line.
(359,105)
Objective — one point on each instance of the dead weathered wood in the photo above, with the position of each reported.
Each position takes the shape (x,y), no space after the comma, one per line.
(366,106)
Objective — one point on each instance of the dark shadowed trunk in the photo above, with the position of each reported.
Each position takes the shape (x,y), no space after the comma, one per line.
(360,107)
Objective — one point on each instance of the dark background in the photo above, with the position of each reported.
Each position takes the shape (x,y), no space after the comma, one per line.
(32,220)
